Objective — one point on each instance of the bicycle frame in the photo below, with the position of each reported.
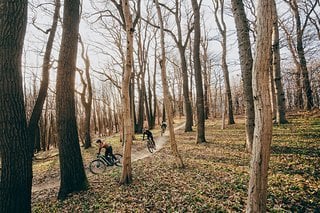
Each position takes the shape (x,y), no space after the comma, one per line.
(105,160)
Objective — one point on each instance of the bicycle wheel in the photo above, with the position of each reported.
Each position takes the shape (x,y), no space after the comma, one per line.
(150,146)
(119,160)
(97,166)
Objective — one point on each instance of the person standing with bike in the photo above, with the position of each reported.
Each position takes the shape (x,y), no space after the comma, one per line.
(149,136)
(108,150)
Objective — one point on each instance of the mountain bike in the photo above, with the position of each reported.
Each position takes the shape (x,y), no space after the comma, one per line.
(100,164)
(151,145)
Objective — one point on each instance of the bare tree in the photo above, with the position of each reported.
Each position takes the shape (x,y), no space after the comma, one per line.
(73,177)
(246,62)
(206,72)
(219,4)
(144,39)
(152,90)
(198,74)
(291,46)
(257,191)
(87,89)
(166,94)
(33,127)
(315,20)
(182,45)
(15,149)
(300,28)
(126,177)
(279,93)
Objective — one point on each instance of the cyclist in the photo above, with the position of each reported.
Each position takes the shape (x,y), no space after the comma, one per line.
(108,150)
(163,125)
(149,136)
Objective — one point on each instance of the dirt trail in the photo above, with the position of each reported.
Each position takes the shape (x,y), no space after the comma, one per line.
(136,155)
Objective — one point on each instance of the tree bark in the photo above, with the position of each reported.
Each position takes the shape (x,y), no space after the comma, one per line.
(155,101)
(279,93)
(15,149)
(151,106)
(206,78)
(126,177)
(272,90)
(198,74)
(141,102)
(246,63)
(73,177)
(257,191)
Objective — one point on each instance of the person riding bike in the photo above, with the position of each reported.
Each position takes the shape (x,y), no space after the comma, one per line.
(108,150)
(149,136)
(163,125)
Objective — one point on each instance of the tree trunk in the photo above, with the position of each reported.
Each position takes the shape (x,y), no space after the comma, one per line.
(37,109)
(182,52)
(191,74)
(155,101)
(86,91)
(298,97)
(257,191)
(308,104)
(246,62)
(15,149)
(164,117)
(198,74)
(73,177)
(223,111)
(185,85)
(141,102)
(279,93)
(166,94)
(222,29)
(205,78)
(99,116)
(132,103)
(45,125)
(149,107)
(272,91)
(174,100)
(126,177)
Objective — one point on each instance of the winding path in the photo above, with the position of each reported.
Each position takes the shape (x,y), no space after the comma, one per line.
(136,155)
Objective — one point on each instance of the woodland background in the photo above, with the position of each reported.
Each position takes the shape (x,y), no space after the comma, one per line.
(85,70)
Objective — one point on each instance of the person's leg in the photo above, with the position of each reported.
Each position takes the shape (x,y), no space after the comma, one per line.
(154,144)
(106,154)
(110,152)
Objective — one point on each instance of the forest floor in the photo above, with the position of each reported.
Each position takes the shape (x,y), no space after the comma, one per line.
(215,178)
(48,162)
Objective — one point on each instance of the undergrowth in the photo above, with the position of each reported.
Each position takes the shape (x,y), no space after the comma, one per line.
(215,178)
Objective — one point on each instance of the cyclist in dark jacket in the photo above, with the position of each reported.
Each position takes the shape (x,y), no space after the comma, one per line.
(163,125)
(149,136)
